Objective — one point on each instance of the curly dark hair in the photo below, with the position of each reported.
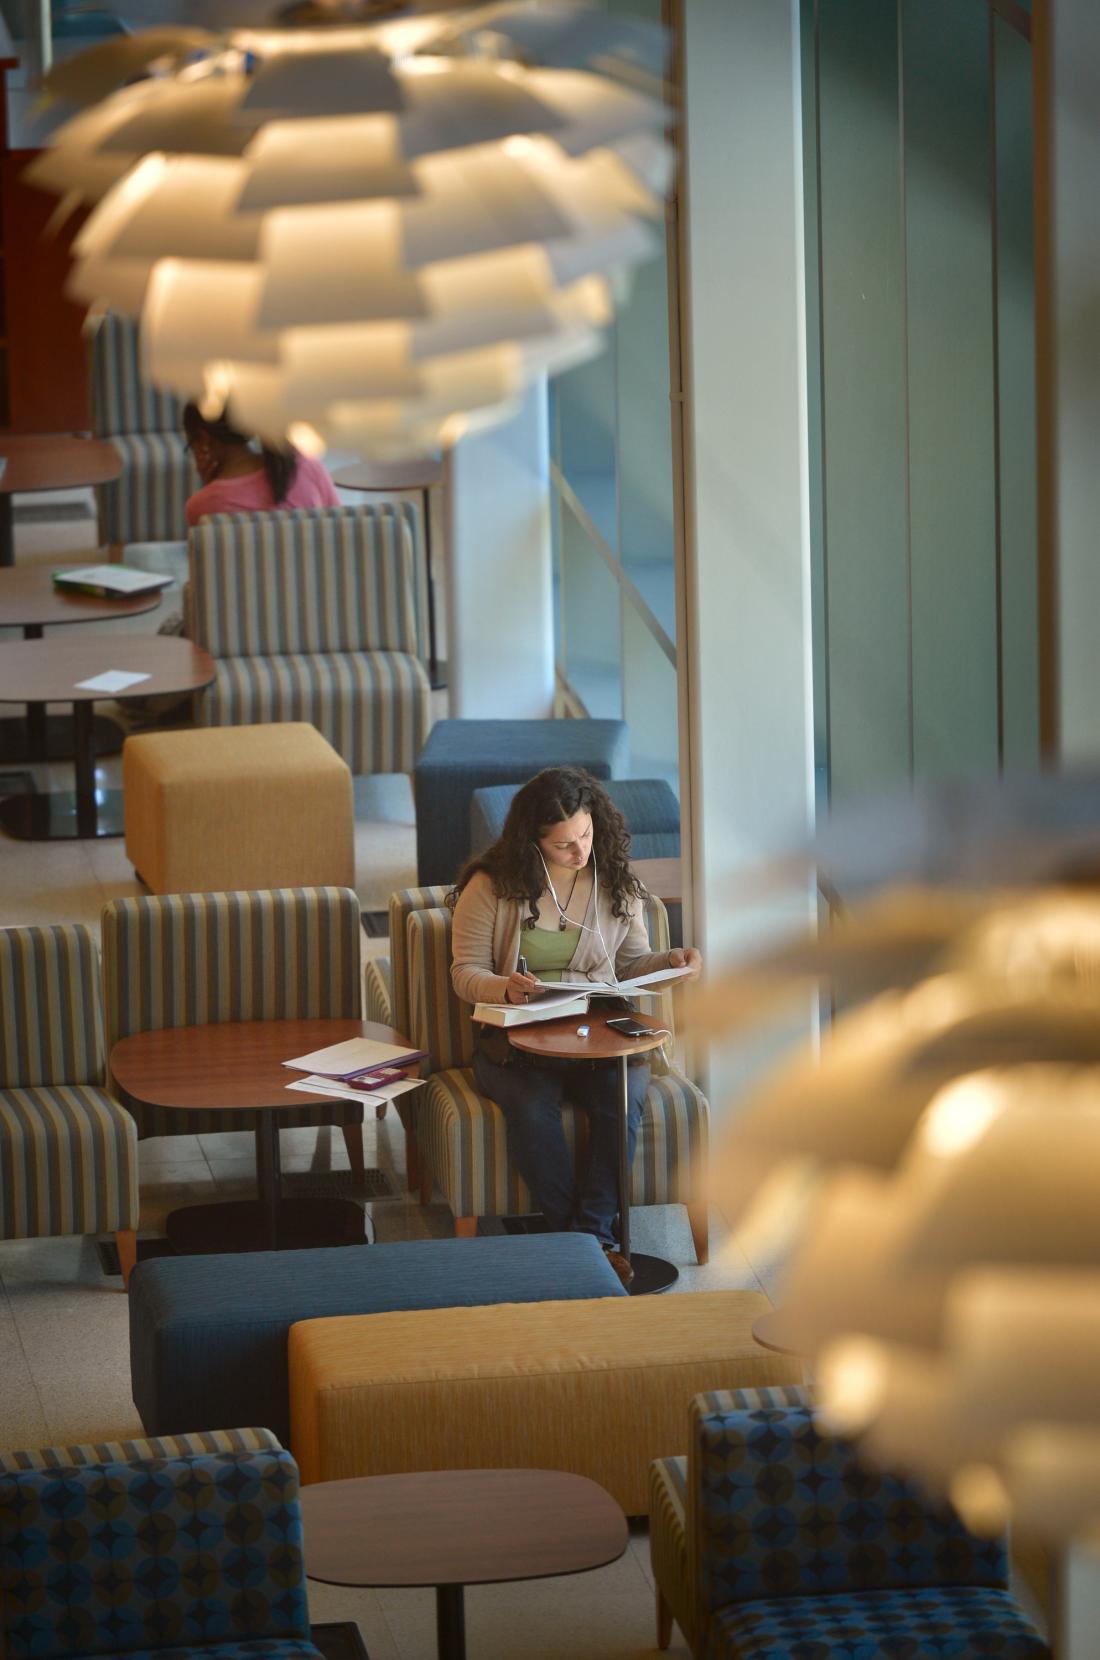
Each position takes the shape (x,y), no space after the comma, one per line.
(553,795)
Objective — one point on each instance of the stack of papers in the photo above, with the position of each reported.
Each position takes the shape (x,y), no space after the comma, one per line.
(359,1069)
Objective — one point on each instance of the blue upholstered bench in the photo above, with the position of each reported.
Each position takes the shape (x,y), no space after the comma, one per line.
(649,806)
(461,756)
(208,1335)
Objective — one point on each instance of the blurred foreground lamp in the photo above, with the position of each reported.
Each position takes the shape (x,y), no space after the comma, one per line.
(930,1175)
(364,234)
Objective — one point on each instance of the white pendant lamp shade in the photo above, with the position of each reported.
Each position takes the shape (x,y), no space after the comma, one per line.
(378,232)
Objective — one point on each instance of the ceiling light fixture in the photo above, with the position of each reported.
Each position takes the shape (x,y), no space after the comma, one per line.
(371,230)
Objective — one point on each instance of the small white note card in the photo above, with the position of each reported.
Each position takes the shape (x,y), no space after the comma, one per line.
(112,680)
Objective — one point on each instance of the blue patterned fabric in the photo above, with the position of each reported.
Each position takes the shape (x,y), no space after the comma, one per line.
(789,1510)
(263,1648)
(950,1623)
(153,1554)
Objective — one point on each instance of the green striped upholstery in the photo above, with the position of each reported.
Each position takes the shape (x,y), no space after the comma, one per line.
(319,579)
(195,1444)
(50,1028)
(377,991)
(68,1152)
(122,399)
(402,904)
(146,504)
(668,1547)
(199,959)
(312,616)
(461,1132)
(68,1162)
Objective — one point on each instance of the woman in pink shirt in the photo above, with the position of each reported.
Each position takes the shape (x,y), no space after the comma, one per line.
(239,479)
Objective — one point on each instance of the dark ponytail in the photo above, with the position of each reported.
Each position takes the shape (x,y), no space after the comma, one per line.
(281,466)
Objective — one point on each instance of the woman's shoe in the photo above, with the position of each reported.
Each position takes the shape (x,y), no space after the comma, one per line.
(620,1263)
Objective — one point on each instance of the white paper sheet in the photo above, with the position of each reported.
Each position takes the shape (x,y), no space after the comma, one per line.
(314,1085)
(111,680)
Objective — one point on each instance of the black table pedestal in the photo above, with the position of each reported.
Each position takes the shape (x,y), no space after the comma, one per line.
(651,1274)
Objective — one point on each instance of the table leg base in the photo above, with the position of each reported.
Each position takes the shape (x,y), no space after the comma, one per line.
(59,739)
(651,1274)
(450,1622)
(52,817)
(241,1225)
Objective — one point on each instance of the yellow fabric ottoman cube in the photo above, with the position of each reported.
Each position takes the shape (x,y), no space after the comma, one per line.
(599,1386)
(228,807)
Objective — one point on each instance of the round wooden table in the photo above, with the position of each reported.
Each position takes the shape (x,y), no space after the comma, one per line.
(49,461)
(561,1040)
(50,671)
(419,477)
(232,1068)
(453,1528)
(30,601)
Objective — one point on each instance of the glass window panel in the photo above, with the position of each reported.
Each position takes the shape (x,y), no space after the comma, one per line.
(591,629)
(649,703)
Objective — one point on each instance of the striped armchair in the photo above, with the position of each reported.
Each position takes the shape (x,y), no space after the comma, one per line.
(773,1538)
(461,1133)
(197,959)
(386,999)
(147,503)
(68,1152)
(312,615)
(185,1546)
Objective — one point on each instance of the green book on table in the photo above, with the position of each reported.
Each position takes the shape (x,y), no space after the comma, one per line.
(109,581)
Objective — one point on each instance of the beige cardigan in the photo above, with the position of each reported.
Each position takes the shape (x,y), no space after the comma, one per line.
(485,943)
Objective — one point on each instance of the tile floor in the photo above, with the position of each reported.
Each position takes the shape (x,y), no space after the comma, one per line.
(64,1373)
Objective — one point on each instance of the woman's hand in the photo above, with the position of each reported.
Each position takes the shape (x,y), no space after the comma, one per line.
(520,988)
(689,958)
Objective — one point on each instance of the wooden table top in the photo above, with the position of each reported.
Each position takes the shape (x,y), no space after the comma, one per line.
(47,671)
(660,877)
(237,1065)
(420,474)
(559,1038)
(56,461)
(459,1527)
(28,597)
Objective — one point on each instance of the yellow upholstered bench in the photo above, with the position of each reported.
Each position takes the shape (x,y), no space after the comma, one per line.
(230,807)
(598,1386)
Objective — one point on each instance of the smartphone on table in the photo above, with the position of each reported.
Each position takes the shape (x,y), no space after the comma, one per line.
(628,1026)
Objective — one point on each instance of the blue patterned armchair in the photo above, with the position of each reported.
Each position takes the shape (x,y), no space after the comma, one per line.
(184,1549)
(772,1541)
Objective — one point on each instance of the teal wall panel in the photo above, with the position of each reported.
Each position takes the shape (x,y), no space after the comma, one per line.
(1016,398)
(863,395)
(917,156)
(949,289)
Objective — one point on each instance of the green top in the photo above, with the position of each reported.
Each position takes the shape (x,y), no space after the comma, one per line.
(549,950)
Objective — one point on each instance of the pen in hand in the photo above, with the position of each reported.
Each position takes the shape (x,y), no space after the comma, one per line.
(522,965)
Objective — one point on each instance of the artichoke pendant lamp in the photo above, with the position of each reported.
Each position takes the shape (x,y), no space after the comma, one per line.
(366,227)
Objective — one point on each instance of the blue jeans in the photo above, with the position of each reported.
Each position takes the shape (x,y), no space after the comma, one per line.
(530,1098)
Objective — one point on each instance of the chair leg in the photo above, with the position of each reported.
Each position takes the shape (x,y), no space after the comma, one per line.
(664,1621)
(412,1164)
(699,1223)
(126,1245)
(353,1141)
(465,1227)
